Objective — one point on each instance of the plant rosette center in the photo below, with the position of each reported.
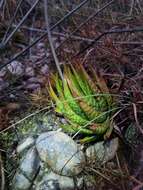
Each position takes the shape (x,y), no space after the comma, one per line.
(84,100)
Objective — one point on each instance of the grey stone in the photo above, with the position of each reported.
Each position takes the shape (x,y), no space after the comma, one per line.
(96,152)
(20,182)
(60,152)
(27,143)
(111,148)
(30,163)
(54,181)
(102,152)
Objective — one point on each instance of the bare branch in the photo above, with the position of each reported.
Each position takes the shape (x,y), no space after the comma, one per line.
(50,39)
(1,3)
(117,31)
(20,23)
(77,37)
(86,21)
(44,35)
(15,13)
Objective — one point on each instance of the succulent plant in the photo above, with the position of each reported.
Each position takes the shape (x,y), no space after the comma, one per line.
(84,100)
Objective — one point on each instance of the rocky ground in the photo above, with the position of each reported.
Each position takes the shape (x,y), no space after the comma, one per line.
(47,158)
(30,132)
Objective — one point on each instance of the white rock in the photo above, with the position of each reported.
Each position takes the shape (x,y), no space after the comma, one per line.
(20,182)
(30,163)
(102,152)
(60,152)
(54,181)
(28,142)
